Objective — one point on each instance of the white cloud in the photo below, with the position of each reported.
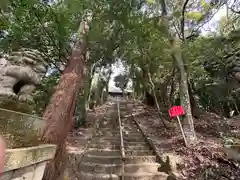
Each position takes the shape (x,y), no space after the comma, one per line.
(211,26)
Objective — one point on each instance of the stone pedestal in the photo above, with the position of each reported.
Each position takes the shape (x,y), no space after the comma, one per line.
(27,158)
(20,73)
(27,163)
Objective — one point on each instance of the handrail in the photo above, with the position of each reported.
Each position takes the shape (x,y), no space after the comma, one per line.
(21,113)
(120,129)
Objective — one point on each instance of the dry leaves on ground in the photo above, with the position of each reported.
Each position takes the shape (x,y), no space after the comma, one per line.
(205,160)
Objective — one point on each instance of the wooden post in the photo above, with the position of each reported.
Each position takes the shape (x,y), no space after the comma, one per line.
(182,130)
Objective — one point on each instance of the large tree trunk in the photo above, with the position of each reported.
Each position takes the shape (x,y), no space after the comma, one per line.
(59,112)
(148,98)
(172,89)
(156,100)
(184,94)
(90,80)
(194,106)
(108,79)
(177,56)
(87,89)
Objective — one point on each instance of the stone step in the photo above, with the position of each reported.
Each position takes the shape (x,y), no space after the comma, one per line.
(144,167)
(83,130)
(98,140)
(130,143)
(125,134)
(127,120)
(127,176)
(81,136)
(134,140)
(137,147)
(136,143)
(102,159)
(145,176)
(79,140)
(126,138)
(108,130)
(123,111)
(127,124)
(108,133)
(130,133)
(97,176)
(115,131)
(118,152)
(139,159)
(118,159)
(103,146)
(139,152)
(138,137)
(117,168)
(117,147)
(130,127)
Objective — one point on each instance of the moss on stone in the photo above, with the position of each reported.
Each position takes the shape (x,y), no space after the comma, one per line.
(15,106)
(17,128)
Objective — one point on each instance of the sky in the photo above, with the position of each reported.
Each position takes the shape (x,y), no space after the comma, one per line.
(117,69)
(211,25)
(208,27)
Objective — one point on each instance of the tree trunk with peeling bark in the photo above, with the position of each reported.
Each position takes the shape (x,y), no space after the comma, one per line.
(178,60)
(59,112)
(184,94)
(156,100)
(172,89)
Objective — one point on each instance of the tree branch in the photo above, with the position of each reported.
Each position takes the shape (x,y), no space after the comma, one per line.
(183,19)
(164,8)
(200,26)
(176,29)
(237,12)
(233,10)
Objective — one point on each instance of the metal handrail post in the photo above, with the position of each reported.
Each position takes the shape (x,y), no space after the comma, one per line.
(120,129)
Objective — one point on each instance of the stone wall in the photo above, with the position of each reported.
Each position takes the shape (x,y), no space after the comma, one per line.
(27,163)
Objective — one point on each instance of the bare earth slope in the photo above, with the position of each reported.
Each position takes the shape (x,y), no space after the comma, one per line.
(205,161)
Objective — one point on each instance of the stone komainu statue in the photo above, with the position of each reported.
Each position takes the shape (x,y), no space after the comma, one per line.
(20,72)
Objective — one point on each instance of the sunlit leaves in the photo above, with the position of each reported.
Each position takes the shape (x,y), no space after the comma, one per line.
(121,81)
(197,16)
(150,1)
(204,3)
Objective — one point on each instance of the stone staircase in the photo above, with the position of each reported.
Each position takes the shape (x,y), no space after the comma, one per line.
(102,158)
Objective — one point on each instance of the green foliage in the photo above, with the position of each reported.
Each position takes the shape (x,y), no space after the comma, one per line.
(121,81)
(45,91)
(122,30)
(207,65)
